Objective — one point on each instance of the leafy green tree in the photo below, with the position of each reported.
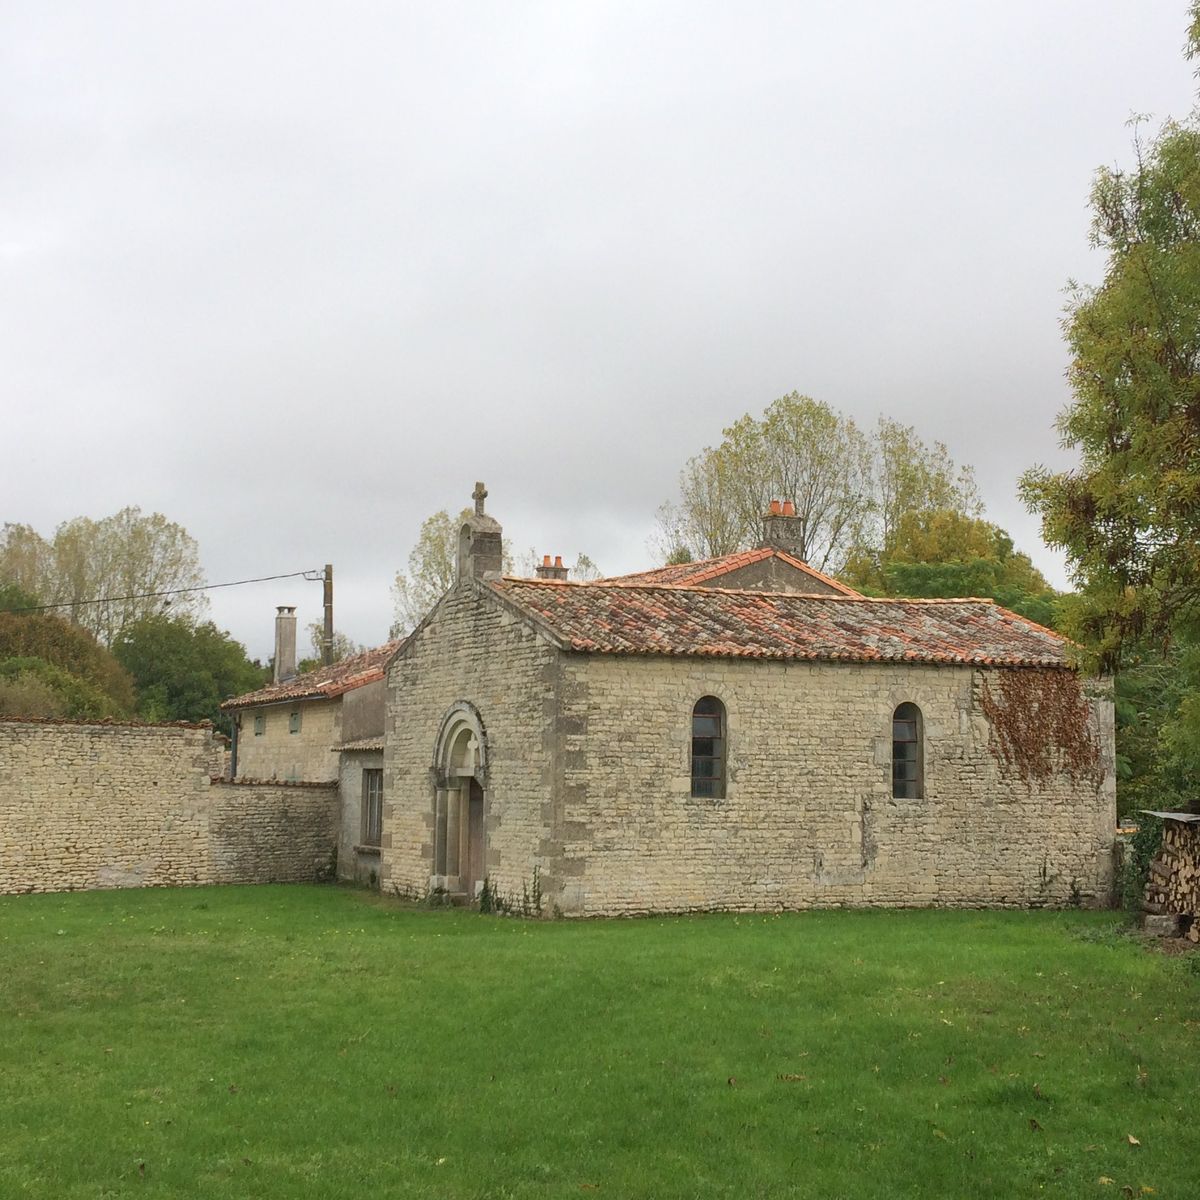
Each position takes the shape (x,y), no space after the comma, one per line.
(1129,515)
(182,671)
(73,650)
(919,493)
(952,554)
(15,599)
(344,646)
(32,687)
(850,490)
(432,564)
(799,449)
(432,567)
(114,560)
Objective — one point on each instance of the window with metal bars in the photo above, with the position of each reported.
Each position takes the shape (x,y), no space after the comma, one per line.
(372,806)
(708,748)
(908,775)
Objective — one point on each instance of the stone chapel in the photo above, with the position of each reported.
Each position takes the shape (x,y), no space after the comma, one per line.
(742,733)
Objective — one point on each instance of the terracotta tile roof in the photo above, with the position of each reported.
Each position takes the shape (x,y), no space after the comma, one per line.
(367,743)
(608,618)
(324,682)
(708,570)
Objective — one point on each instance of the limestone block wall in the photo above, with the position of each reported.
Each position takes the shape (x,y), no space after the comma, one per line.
(272,832)
(305,755)
(105,805)
(809,818)
(472,649)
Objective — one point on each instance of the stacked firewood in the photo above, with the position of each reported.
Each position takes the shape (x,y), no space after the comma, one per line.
(1173,887)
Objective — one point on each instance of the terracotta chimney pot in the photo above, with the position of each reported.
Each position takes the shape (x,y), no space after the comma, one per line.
(774,508)
(789,509)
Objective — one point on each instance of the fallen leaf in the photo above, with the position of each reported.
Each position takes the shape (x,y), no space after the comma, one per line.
(943,1080)
(790,1078)
(233,1088)
(142,1169)
(732,1081)
(1033,1125)
(1105,1181)
(938,1133)
(1146,1190)
(1132,1140)
(1037,1091)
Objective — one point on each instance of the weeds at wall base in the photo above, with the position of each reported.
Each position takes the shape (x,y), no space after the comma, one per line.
(529,904)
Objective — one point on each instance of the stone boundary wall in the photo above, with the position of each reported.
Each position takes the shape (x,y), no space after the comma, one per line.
(269,832)
(99,805)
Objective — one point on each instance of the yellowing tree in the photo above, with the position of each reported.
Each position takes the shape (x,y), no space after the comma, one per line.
(100,571)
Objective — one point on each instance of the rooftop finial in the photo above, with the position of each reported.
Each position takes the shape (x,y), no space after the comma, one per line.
(479,495)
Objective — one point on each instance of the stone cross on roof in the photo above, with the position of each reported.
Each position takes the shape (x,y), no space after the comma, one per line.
(479,495)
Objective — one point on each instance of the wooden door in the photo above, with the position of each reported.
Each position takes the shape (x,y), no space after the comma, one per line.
(474,872)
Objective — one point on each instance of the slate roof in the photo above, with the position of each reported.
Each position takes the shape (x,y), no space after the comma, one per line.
(323,683)
(624,618)
(708,570)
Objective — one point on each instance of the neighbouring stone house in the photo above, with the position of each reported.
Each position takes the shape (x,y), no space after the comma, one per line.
(325,725)
(743,733)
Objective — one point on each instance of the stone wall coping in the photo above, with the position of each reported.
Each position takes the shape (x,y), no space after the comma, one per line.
(104,722)
(284,783)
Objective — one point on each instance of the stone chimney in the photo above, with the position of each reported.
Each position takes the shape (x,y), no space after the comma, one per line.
(554,570)
(783,530)
(285,643)
(480,544)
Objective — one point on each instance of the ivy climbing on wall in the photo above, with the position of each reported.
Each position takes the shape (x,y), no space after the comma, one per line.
(1039,724)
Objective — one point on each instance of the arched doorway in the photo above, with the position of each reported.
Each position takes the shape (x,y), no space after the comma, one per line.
(460,780)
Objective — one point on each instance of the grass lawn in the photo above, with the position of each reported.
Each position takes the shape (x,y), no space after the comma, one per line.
(317,1042)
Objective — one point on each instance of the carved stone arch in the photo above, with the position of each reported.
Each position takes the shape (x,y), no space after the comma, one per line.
(461,747)
(460,801)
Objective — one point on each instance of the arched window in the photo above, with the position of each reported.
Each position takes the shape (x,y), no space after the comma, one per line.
(908,774)
(708,748)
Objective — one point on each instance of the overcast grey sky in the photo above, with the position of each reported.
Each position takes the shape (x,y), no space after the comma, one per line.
(296,275)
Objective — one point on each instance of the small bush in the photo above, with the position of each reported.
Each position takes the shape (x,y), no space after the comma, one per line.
(1140,852)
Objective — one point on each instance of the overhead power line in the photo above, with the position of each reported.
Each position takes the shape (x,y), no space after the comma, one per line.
(311,576)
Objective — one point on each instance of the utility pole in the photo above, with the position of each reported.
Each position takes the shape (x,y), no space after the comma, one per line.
(327,638)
